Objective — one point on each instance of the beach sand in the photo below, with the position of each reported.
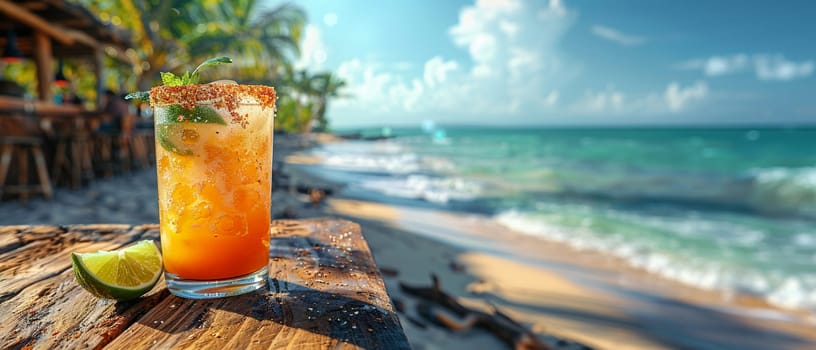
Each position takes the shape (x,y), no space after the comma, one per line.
(588,297)
(559,292)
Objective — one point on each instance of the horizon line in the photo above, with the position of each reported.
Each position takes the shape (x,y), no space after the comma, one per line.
(796,125)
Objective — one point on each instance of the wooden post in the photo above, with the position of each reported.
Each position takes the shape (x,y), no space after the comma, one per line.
(44,62)
(99,70)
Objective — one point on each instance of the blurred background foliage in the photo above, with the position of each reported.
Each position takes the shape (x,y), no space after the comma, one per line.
(176,35)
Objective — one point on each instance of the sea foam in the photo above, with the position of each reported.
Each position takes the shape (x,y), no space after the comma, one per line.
(785,190)
(735,227)
(781,289)
(390,169)
(429,188)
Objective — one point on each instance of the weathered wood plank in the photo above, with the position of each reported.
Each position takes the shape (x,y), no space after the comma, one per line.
(53,311)
(23,234)
(9,240)
(325,292)
(57,313)
(45,252)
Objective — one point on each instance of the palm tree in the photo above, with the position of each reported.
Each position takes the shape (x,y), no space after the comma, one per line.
(292,113)
(155,26)
(325,85)
(314,91)
(170,34)
(262,43)
(295,105)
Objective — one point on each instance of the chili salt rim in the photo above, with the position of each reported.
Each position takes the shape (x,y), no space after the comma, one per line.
(220,96)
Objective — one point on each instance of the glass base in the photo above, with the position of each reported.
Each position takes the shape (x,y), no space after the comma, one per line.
(192,289)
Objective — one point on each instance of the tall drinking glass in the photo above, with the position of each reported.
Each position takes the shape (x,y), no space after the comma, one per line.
(214,164)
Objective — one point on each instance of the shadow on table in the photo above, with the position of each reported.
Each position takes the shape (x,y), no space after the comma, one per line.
(330,314)
(322,284)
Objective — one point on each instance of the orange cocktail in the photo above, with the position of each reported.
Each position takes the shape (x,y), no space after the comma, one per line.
(214,163)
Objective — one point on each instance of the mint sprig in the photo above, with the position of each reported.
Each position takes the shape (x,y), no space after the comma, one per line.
(175,114)
(170,79)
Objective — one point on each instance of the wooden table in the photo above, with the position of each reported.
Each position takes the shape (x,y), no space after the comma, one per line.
(325,292)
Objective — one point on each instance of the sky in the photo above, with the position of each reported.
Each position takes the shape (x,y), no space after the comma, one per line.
(565,62)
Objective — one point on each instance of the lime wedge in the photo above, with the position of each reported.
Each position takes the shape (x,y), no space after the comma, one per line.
(123,274)
(199,114)
(169,130)
(169,136)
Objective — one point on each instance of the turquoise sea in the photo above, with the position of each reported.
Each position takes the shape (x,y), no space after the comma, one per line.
(730,209)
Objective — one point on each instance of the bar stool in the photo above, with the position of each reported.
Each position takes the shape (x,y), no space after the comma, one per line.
(123,149)
(112,152)
(73,151)
(17,142)
(141,143)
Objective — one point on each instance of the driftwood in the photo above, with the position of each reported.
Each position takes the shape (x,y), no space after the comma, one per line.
(316,196)
(463,318)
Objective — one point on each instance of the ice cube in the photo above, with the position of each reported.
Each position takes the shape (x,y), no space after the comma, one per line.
(189,136)
(225,82)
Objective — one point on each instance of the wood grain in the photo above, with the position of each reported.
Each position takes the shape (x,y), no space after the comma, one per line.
(325,292)
(44,305)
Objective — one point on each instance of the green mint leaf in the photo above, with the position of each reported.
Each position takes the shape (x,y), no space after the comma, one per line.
(139,95)
(185,79)
(176,114)
(170,79)
(199,114)
(211,62)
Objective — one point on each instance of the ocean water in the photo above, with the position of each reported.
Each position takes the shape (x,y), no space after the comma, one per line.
(724,209)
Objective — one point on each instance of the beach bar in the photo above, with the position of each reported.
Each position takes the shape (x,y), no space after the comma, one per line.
(44,30)
(57,135)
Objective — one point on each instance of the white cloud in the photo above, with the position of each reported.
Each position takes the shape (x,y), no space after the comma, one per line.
(367,85)
(617,36)
(521,60)
(604,102)
(513,67)
(509,28)
(725,65)
(778,68)
(330,19)
(555,8)
(552,98)
(409,96)
(374,89)
(764,66)
(313,50)
(677,97)
(437,69)
(483,48)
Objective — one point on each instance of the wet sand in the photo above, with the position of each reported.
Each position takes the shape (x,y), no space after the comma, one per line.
(589,297)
